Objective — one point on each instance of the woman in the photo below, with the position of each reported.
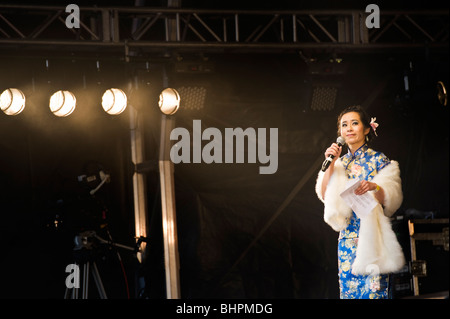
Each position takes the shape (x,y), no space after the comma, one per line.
(368,250)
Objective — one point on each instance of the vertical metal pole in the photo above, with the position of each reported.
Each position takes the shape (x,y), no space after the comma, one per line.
(224,24)
(169,221)
(356,21)
(364,31)
(236,27)
(413,258)
(412,242)
(137,156)
(342,38)
(106,27)
(139,180)
(282,29)
(115,26)
(166,169)
(177,28)
(294,28)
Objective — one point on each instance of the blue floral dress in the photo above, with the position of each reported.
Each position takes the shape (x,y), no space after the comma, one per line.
(363,165)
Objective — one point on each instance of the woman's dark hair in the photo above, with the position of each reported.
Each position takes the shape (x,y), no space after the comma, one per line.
(365,119)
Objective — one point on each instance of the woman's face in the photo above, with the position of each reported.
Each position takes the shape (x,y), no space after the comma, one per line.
(352,129)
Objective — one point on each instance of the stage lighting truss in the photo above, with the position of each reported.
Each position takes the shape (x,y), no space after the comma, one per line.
(114,101)
(62,103)
(169,101)
(12,101)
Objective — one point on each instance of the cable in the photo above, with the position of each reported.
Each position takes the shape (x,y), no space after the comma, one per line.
(120,262)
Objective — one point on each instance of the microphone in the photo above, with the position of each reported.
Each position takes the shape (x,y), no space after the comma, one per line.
(340,141)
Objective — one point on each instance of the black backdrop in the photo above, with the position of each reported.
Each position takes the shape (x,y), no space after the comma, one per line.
(221,208)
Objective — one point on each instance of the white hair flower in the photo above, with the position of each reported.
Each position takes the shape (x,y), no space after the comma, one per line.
(374,125)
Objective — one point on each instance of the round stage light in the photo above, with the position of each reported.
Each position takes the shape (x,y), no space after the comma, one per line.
(62,103)
(114,101)
(12,101)
(169,101)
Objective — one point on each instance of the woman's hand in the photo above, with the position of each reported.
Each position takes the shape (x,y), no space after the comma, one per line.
(369,186)
(334,150)
(365,187)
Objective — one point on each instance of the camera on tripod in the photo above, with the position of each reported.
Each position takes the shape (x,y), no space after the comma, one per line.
(101,179)
(83,206)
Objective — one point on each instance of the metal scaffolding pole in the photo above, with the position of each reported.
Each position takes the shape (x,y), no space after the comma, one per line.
(166,171)
(169,219)
(139,180)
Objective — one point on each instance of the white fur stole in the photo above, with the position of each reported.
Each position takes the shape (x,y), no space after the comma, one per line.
(378,250)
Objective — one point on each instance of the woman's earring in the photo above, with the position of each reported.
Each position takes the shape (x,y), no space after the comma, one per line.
(367,138)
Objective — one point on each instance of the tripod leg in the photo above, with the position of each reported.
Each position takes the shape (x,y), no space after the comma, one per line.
(75,293)
(85,281)
(98,282)
(72,292)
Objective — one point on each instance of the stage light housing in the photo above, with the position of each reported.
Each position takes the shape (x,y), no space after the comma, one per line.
(12,101)
(169,101)
(194,97)
(114,101)
(62,103)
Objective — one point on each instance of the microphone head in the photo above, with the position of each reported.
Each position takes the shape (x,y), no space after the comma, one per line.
(340,141)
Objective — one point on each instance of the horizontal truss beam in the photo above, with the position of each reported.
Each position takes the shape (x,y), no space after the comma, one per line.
(122,28)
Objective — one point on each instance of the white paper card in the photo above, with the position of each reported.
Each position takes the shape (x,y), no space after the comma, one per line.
(363,204)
